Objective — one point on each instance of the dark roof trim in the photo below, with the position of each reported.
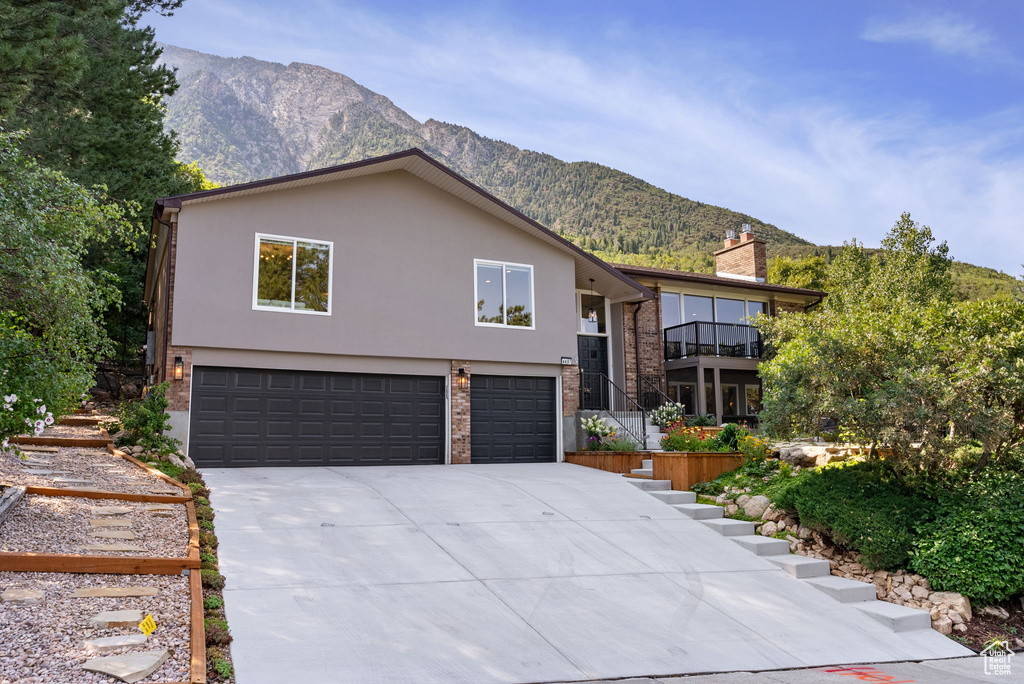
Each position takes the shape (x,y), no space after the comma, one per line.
(715,280)
(177,200)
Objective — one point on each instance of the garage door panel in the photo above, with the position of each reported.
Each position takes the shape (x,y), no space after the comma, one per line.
(512,419)
(247,417)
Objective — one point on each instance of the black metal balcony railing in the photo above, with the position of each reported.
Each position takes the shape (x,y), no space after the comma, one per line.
(713,339)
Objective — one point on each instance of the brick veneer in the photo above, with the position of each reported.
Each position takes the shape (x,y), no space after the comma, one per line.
(460,414)
(747,258)
(179,390)
(786,307)
(651,349)
(570,390)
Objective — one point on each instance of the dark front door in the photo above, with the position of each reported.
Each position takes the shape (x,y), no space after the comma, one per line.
(593,355)
(512,419)
(256,417)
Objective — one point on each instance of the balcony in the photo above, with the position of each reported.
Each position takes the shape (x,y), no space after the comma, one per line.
(713,339)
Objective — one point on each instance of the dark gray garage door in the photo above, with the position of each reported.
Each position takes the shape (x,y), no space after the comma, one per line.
(249,417)
(512,419)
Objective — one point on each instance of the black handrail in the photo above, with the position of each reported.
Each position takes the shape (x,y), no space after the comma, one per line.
(701,338)
(649,392)
(599,393)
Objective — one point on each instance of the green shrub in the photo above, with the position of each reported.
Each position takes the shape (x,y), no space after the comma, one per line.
(208,557)
(144,421)
(198,488)
(208,540)
(212,579)
(223,669)
(975,544)
(706,420)
(217,632)
(729,437)
(202,501)
(204,513)
(190,476)
(619,444)
(862,508)
(213,602)
(206,524)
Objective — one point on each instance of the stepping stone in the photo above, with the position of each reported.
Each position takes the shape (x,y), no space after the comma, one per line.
(109,510)
(763,546)
(802,567)
(897,618)
(89,592)
(703,512)
(844,590)
(730,528)
(135,483)
(71,481)
(38,449)
(650,485)
(115,534)
(96,453)
(153,508)
(672,497)
(112,619)
(32,461)
(111,522)
(130,667)
(113,643)
(172,492)
(162,514)
(110,547)
(104,465)
(21,596)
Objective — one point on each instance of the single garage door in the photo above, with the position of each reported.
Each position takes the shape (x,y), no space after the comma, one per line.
(246,417)
(512,419)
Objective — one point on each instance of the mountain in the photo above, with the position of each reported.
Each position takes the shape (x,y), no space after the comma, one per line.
(244,119)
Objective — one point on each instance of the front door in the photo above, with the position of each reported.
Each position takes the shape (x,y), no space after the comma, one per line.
(593,355)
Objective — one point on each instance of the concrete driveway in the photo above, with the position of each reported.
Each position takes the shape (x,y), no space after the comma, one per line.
(507,573)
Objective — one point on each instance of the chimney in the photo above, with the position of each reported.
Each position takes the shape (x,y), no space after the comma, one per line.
(743,259)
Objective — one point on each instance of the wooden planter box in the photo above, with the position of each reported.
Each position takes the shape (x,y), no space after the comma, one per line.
(611,461)
(711,430)
(685,469)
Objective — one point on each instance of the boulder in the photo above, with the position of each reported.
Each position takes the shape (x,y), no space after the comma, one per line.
(919,592)
(996,612)
(803,532)
(189,463)
(956,617)
(957,602)
(755,506)
(768,529)
(742,500)
(175,461)
(731,509)
(943,626)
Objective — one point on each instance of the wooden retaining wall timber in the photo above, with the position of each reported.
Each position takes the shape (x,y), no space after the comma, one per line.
(610,461)
(686,469)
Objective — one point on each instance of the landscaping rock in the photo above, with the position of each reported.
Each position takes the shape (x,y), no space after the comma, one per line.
(768,529)
(960,628)
(755,506)
(111,547)
(21,596)
(956,617)
(943,625)
(958,602)
(189,462)
(113,643)
(803,532)
(920,592)
(109,510)
(996,612)
(113,534)
(175,461)
(112,619)
(741,500)
(130,667)
(112,522)
(732,509)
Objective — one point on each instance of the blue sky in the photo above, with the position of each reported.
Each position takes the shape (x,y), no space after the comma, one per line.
(827,119)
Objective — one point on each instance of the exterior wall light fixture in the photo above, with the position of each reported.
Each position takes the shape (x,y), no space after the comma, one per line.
(179,368)
(462,379)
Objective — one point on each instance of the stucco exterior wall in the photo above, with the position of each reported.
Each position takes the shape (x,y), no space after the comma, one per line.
(403,275)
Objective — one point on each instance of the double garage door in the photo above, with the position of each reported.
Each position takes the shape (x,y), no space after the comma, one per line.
(243,417)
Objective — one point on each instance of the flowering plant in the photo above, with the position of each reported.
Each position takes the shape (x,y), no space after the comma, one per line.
(597,430)
(666,414)
(683,438)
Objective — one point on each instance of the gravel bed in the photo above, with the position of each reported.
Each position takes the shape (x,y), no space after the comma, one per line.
(43,642)
(60,524)
(76,431)
(101,469)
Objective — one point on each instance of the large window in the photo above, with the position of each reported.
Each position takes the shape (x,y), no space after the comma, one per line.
(292,274)
(677,308)
(504,294)
(587,303)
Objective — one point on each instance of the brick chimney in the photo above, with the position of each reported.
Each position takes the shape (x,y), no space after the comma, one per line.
(743,259)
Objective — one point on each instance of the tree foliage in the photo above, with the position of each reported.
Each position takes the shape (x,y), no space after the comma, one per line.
(49,301)
(895,362)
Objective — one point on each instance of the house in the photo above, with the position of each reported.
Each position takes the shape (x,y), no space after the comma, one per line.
(381,312)
(388,311)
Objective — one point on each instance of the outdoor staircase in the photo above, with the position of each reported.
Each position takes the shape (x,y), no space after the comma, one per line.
(816,572)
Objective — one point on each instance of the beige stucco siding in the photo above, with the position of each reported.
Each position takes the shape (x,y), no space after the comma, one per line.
(402,282)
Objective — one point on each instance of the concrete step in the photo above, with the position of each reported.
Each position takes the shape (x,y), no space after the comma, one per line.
(802,567)
(896,618)
(700,511)
(673,497)
(650,485)
(844,590)
(730,528)
(762,546)
(647,463)
(646,472)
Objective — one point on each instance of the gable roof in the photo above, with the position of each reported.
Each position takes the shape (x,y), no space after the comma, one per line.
(706,279)
(610,282)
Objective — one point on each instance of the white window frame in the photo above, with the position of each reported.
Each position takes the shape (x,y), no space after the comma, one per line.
(579,315)
(504,297)
(294,240)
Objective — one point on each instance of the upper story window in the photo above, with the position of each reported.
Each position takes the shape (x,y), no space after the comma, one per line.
(677,308)
(593,313)
(292,274)
(504,294)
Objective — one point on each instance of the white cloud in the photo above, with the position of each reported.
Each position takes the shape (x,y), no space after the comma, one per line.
(947,34)
(692,122)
